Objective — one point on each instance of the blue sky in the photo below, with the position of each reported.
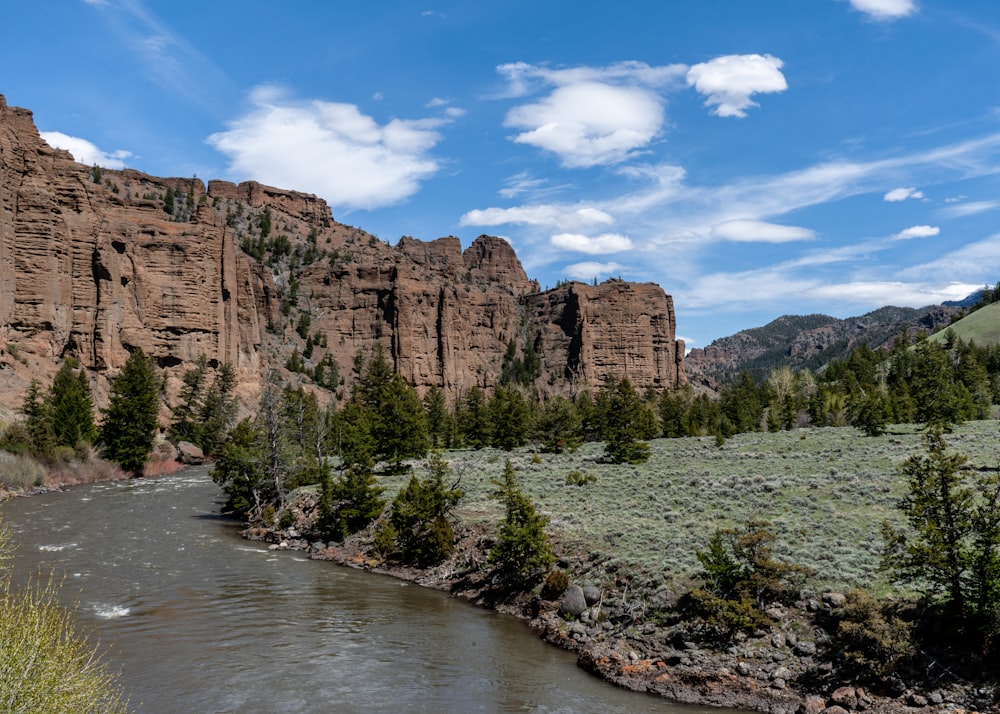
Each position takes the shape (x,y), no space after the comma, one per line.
(753,158)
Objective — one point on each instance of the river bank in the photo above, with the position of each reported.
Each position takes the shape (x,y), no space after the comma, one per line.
(47,479)
(619,632)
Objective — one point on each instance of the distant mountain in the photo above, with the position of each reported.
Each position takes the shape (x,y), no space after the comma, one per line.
(967,301)
(807,341)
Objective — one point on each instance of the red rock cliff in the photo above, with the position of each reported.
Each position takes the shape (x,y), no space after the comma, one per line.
(95,263)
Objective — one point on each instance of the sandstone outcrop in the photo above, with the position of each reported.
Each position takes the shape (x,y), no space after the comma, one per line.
(95,263)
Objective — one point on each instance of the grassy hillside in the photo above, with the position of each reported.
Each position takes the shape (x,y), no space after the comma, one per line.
(826,492)
(981,326)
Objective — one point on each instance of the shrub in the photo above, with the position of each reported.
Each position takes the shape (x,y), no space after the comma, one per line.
(45,664)
(873,642)
(20,472)
(578,478)
(741,575)
(555,585)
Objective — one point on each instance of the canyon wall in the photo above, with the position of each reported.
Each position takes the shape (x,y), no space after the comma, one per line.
(95,263)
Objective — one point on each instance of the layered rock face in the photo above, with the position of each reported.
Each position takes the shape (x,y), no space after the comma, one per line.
(96,263)
(585,333)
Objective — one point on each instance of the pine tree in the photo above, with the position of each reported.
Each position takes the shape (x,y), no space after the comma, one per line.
(400,428)
(421,515)
(473,418)
(187,423)
(218,409)
(510,418)
(522,551)
(131,418)
(952,529)
(622,422)
(351,501)
(558,426)
(438,418)
(71,407)
(239,470)
(38,422)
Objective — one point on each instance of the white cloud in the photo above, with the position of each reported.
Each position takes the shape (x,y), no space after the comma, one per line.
(746,230)
(563,217)
(879,293)
(330,149)
(960,210)
(86,152)
(885,9)
(731,80)
(901,194)
(590,123)
(591,270)
(602,244)
(917,232)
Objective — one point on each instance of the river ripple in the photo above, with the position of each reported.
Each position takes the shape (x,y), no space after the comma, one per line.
(199,620)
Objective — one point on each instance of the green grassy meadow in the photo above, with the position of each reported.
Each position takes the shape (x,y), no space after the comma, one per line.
(981,327)
(825,491)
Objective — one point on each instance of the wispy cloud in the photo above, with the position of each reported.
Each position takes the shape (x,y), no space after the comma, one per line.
(331,149)
(562,217)
(86,152)
(745,230)
(973,263)
(960,210)
(167,59)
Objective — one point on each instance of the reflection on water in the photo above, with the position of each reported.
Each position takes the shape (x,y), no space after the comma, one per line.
(202,621)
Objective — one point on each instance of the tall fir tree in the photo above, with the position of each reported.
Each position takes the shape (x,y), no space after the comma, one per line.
(130,424)
(71,407)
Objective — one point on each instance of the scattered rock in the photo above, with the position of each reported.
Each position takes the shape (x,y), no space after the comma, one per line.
(573,601)
(592,594)
(846,697)
(813,704)
(805,648)
(916,700)
(834,599)
(190,453)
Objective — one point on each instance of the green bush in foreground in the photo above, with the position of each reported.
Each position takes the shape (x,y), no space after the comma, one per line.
(421,515)
(45,665)
(741,577)
(522,550)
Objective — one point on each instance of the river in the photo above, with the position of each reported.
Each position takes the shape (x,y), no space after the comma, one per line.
(197,619)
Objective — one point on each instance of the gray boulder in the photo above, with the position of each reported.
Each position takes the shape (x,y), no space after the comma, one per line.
(573,601)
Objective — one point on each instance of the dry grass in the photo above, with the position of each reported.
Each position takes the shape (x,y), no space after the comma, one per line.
(826,492)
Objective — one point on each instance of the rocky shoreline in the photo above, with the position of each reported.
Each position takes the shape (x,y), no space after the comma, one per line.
(614,628)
